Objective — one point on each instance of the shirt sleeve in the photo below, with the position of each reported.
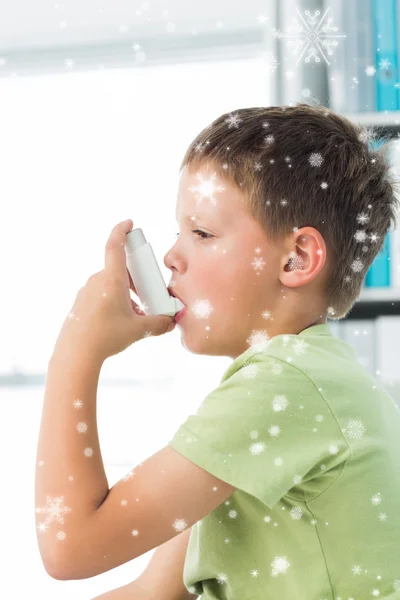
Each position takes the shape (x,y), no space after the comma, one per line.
(263,430)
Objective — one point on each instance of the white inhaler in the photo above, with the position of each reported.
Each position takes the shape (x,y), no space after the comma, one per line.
(147,277)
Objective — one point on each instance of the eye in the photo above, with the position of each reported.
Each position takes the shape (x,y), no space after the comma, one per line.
(198,231)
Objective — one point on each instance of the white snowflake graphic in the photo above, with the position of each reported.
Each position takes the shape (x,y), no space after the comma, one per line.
(354,430)
(377,499)
(312,35)
(357,265)
(362,218)
(357,570)
(274,430)
(222,578)
(333,449)
(257,448)
(382,517)
(315,159)
(54,509)
(370,70)
(202,309)
(360,235)
(280,564)
(206,189)
(180,525)
(384,64)
(249,371)
(233,120)
(258,340)
(296,513)
(279,403)
(258,263)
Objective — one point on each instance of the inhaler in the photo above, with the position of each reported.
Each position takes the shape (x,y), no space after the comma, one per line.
(147,277)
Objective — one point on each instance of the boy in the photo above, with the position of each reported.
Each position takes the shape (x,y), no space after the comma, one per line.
(282,211)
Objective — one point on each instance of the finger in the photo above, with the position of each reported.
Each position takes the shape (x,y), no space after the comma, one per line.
(131,284)
(136,308)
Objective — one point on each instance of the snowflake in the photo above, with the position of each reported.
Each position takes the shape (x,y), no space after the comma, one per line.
(280,564)
(55,509)
(354,430)
(254,573)
(222,578)
(357,570)
(384,64)
(233,120)
(202,309)
(333,449)
(312,36)
(274,430)
(259,340)
(376,499)
(299,346)
(279,403)
(257,448)
(357,265)
(360,235)
(296,513)
(180,525)
(370,70)
(258,263)
(249,371)
(206,188)
(315,159)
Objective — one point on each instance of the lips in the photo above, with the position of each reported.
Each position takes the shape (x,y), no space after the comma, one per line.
(172,293)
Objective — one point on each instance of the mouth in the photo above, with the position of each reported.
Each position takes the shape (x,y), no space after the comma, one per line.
(172,293)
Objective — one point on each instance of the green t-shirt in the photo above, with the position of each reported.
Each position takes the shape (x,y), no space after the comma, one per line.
(312,442)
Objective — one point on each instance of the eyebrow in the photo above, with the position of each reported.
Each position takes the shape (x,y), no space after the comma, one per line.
(196,214)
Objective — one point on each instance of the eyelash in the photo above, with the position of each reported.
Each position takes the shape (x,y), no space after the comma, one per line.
(199,231)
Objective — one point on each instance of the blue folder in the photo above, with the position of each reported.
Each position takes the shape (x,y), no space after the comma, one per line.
(385,25)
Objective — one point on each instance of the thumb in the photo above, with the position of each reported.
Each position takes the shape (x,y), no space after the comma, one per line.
(158,324)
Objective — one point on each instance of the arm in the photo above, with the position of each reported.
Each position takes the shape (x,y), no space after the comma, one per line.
(162,579)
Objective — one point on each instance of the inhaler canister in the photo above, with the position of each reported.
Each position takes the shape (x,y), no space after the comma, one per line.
(147,277)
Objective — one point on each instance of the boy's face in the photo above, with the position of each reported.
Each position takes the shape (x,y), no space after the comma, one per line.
(230,282)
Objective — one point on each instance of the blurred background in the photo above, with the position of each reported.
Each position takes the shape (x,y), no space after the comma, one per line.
(98,102)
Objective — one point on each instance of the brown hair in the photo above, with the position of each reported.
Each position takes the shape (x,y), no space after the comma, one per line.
(302,165)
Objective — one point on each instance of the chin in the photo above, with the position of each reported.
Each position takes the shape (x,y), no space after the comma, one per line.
(205,344)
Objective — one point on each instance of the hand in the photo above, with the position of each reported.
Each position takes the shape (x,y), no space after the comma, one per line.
(104,319)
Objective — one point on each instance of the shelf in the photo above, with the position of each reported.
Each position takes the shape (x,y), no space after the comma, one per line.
(387,118)
(374,309)
(379,295)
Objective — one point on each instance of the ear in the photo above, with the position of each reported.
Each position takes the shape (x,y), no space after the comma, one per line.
(304,257)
